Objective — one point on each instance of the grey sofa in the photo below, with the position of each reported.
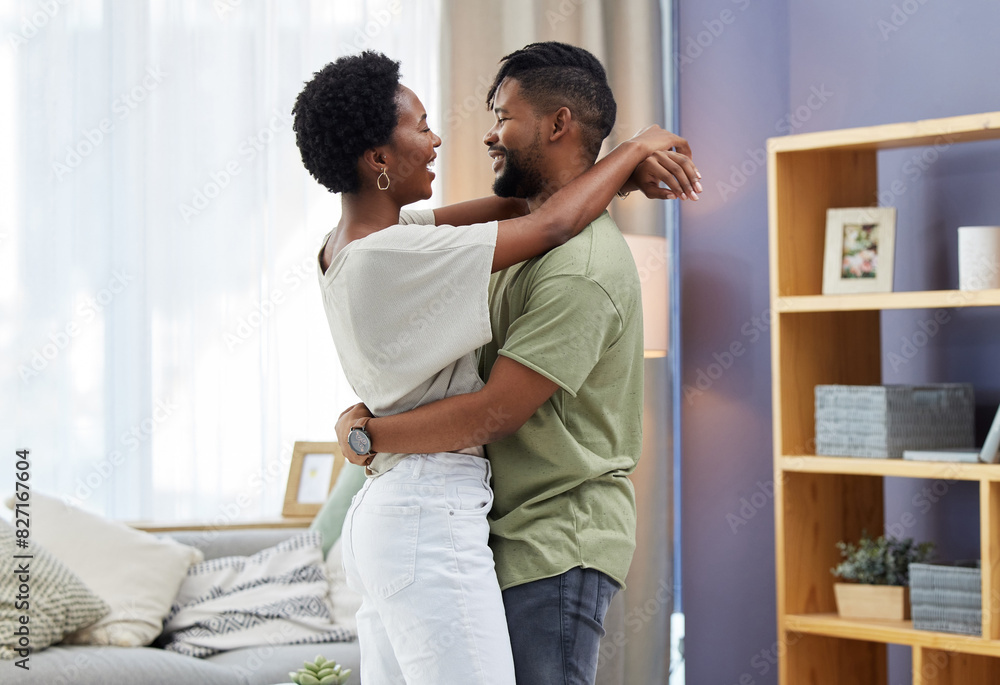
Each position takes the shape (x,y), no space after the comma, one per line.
(263,665)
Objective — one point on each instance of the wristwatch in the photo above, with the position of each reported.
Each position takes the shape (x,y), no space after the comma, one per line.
(359,439)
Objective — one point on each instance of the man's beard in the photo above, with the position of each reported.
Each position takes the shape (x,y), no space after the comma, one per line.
(520,176)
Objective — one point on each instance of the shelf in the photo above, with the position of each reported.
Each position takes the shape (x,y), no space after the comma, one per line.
(889,632)
(961,129)
(821,339)
(858,466)
(281,522)
(934,299)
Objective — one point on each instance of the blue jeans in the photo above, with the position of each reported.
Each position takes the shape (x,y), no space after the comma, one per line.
(556,625)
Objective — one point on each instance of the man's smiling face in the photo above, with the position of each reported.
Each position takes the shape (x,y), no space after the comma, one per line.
(515,143)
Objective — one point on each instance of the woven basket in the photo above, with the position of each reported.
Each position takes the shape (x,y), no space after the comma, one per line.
(948,599)
(881,421)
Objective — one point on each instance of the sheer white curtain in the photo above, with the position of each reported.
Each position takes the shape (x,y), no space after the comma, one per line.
(162,335)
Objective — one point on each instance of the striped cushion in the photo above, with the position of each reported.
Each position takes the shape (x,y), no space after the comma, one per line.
(277,596)
(57,601)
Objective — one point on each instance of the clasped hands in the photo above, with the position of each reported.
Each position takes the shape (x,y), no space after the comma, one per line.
(673,167)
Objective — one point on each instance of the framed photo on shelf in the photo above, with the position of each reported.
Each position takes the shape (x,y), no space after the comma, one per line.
(860,247)
(313,472)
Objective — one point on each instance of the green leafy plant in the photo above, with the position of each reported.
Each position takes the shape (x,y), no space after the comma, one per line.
(880,561)
(320,672)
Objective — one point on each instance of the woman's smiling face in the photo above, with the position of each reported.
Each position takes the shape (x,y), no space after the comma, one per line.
(412,151)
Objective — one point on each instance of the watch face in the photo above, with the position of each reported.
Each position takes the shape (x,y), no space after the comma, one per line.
(359,441)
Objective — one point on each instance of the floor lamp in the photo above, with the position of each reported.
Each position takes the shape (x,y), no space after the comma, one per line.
(650,254)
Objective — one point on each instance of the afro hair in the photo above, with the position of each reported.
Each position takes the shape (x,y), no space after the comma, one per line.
(348,107)
(553,75)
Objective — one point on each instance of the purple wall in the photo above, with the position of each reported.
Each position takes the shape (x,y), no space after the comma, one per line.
(760,68)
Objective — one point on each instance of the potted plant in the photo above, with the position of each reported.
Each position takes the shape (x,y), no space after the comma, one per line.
(879,571)
(321,671)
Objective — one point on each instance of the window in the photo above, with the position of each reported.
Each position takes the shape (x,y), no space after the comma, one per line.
(159,309)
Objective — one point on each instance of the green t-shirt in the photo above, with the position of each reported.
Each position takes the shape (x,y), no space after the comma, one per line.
(562,496)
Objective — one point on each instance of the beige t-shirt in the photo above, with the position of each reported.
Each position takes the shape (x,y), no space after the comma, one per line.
(407,308)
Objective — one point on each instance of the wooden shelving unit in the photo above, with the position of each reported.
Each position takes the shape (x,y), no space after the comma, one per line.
(819,339)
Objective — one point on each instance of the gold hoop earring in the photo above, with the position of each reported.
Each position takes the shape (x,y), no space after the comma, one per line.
(378,181)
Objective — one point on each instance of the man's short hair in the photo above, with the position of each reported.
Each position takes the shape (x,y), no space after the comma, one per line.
(554,75)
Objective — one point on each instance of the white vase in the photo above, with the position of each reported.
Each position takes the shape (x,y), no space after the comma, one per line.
(978,257)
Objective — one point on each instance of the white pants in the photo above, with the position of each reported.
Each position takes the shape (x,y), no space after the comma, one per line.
(415,548)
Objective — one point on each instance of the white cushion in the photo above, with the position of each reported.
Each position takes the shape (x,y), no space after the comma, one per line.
(277,596)
(136,573)
(344,602)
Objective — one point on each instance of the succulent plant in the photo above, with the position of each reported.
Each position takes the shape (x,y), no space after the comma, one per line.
(319,672)
(880,561)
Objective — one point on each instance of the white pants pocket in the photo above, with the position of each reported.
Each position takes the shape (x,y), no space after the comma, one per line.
(385,546)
